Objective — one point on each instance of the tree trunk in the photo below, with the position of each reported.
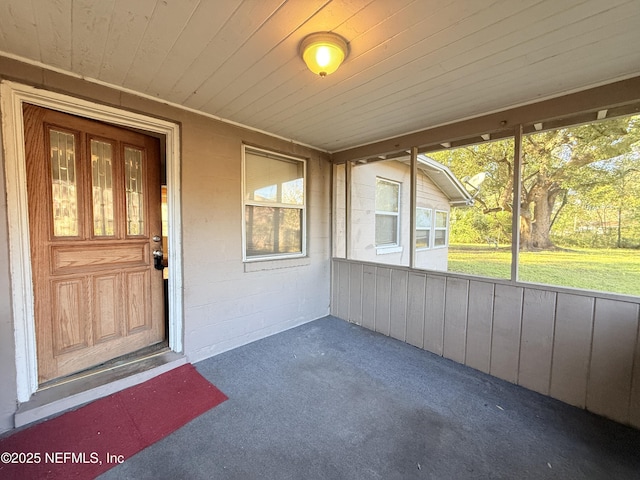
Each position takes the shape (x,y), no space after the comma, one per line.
(619,243)
(535,219)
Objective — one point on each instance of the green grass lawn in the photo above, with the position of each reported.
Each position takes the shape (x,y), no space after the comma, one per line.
(615,270)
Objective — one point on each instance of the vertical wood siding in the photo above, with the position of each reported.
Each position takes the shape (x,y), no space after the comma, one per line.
(434,314)
(536,345)
(580,348)
(382,300)
(415,309)
(479,325)
(572,349)
(455,319)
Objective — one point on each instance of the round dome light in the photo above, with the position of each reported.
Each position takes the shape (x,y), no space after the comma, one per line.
(323,52)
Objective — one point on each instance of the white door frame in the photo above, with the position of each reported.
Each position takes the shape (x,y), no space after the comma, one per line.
(12,96)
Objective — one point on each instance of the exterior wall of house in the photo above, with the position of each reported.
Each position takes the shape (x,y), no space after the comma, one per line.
(226,303)
(579,347)
(362,220)
(428,195)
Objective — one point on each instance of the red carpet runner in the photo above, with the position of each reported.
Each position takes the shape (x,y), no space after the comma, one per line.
(92,439)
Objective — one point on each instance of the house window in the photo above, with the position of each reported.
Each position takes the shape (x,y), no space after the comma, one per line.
(423,228)
(440,229)
(274,205)
(387,213)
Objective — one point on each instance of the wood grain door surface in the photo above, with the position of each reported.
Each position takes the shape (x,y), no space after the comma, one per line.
(94,210)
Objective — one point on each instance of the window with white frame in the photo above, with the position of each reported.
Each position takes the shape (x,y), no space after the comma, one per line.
(423,228)
(440,228)
(387,213)
(274,205)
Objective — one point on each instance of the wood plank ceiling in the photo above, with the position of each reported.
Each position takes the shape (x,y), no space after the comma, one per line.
(413,64)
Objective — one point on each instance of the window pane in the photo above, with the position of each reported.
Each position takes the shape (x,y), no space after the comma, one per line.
(422,238)
(386,201)
(273,230)
(479,236)
(423,218)
(423,228)
(386,196)
(135,194)
(64,187)
(102,183)
(271,180)
(580,220)
(386,230)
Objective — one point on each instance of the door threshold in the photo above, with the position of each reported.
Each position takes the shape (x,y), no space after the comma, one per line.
(120,365)
(86,387)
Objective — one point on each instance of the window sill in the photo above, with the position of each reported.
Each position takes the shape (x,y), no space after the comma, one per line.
(274,264)
(387,250)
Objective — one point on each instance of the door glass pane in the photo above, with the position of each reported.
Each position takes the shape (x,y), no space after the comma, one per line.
(135,194)
(102,178)
(64,187)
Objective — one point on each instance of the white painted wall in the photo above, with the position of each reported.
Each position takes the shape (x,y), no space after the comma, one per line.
(579,347)
(362,220)
(226,303)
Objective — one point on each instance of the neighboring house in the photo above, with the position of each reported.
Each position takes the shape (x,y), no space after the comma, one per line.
(380,211)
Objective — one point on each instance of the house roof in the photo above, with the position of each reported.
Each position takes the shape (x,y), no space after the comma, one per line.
(413,64)
(444,179)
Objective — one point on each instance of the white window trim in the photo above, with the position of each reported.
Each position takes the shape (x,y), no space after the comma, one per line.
(12,96)
(445,228)
(303,208)
(391,247)
(388,250)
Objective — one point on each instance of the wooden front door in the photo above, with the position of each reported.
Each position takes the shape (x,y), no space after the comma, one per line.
(94,223)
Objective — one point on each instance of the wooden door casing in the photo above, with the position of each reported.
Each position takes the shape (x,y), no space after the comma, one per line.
(96,296)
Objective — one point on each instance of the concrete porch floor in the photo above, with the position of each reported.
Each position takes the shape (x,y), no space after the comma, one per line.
(331,400)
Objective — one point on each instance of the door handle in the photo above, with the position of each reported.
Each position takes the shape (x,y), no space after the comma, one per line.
(157,260)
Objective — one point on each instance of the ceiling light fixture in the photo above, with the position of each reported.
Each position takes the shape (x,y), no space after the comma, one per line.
(323,52)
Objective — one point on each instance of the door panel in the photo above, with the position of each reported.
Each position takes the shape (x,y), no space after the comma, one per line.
(106,326)
(67,259)
(94,208)
(72,332)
